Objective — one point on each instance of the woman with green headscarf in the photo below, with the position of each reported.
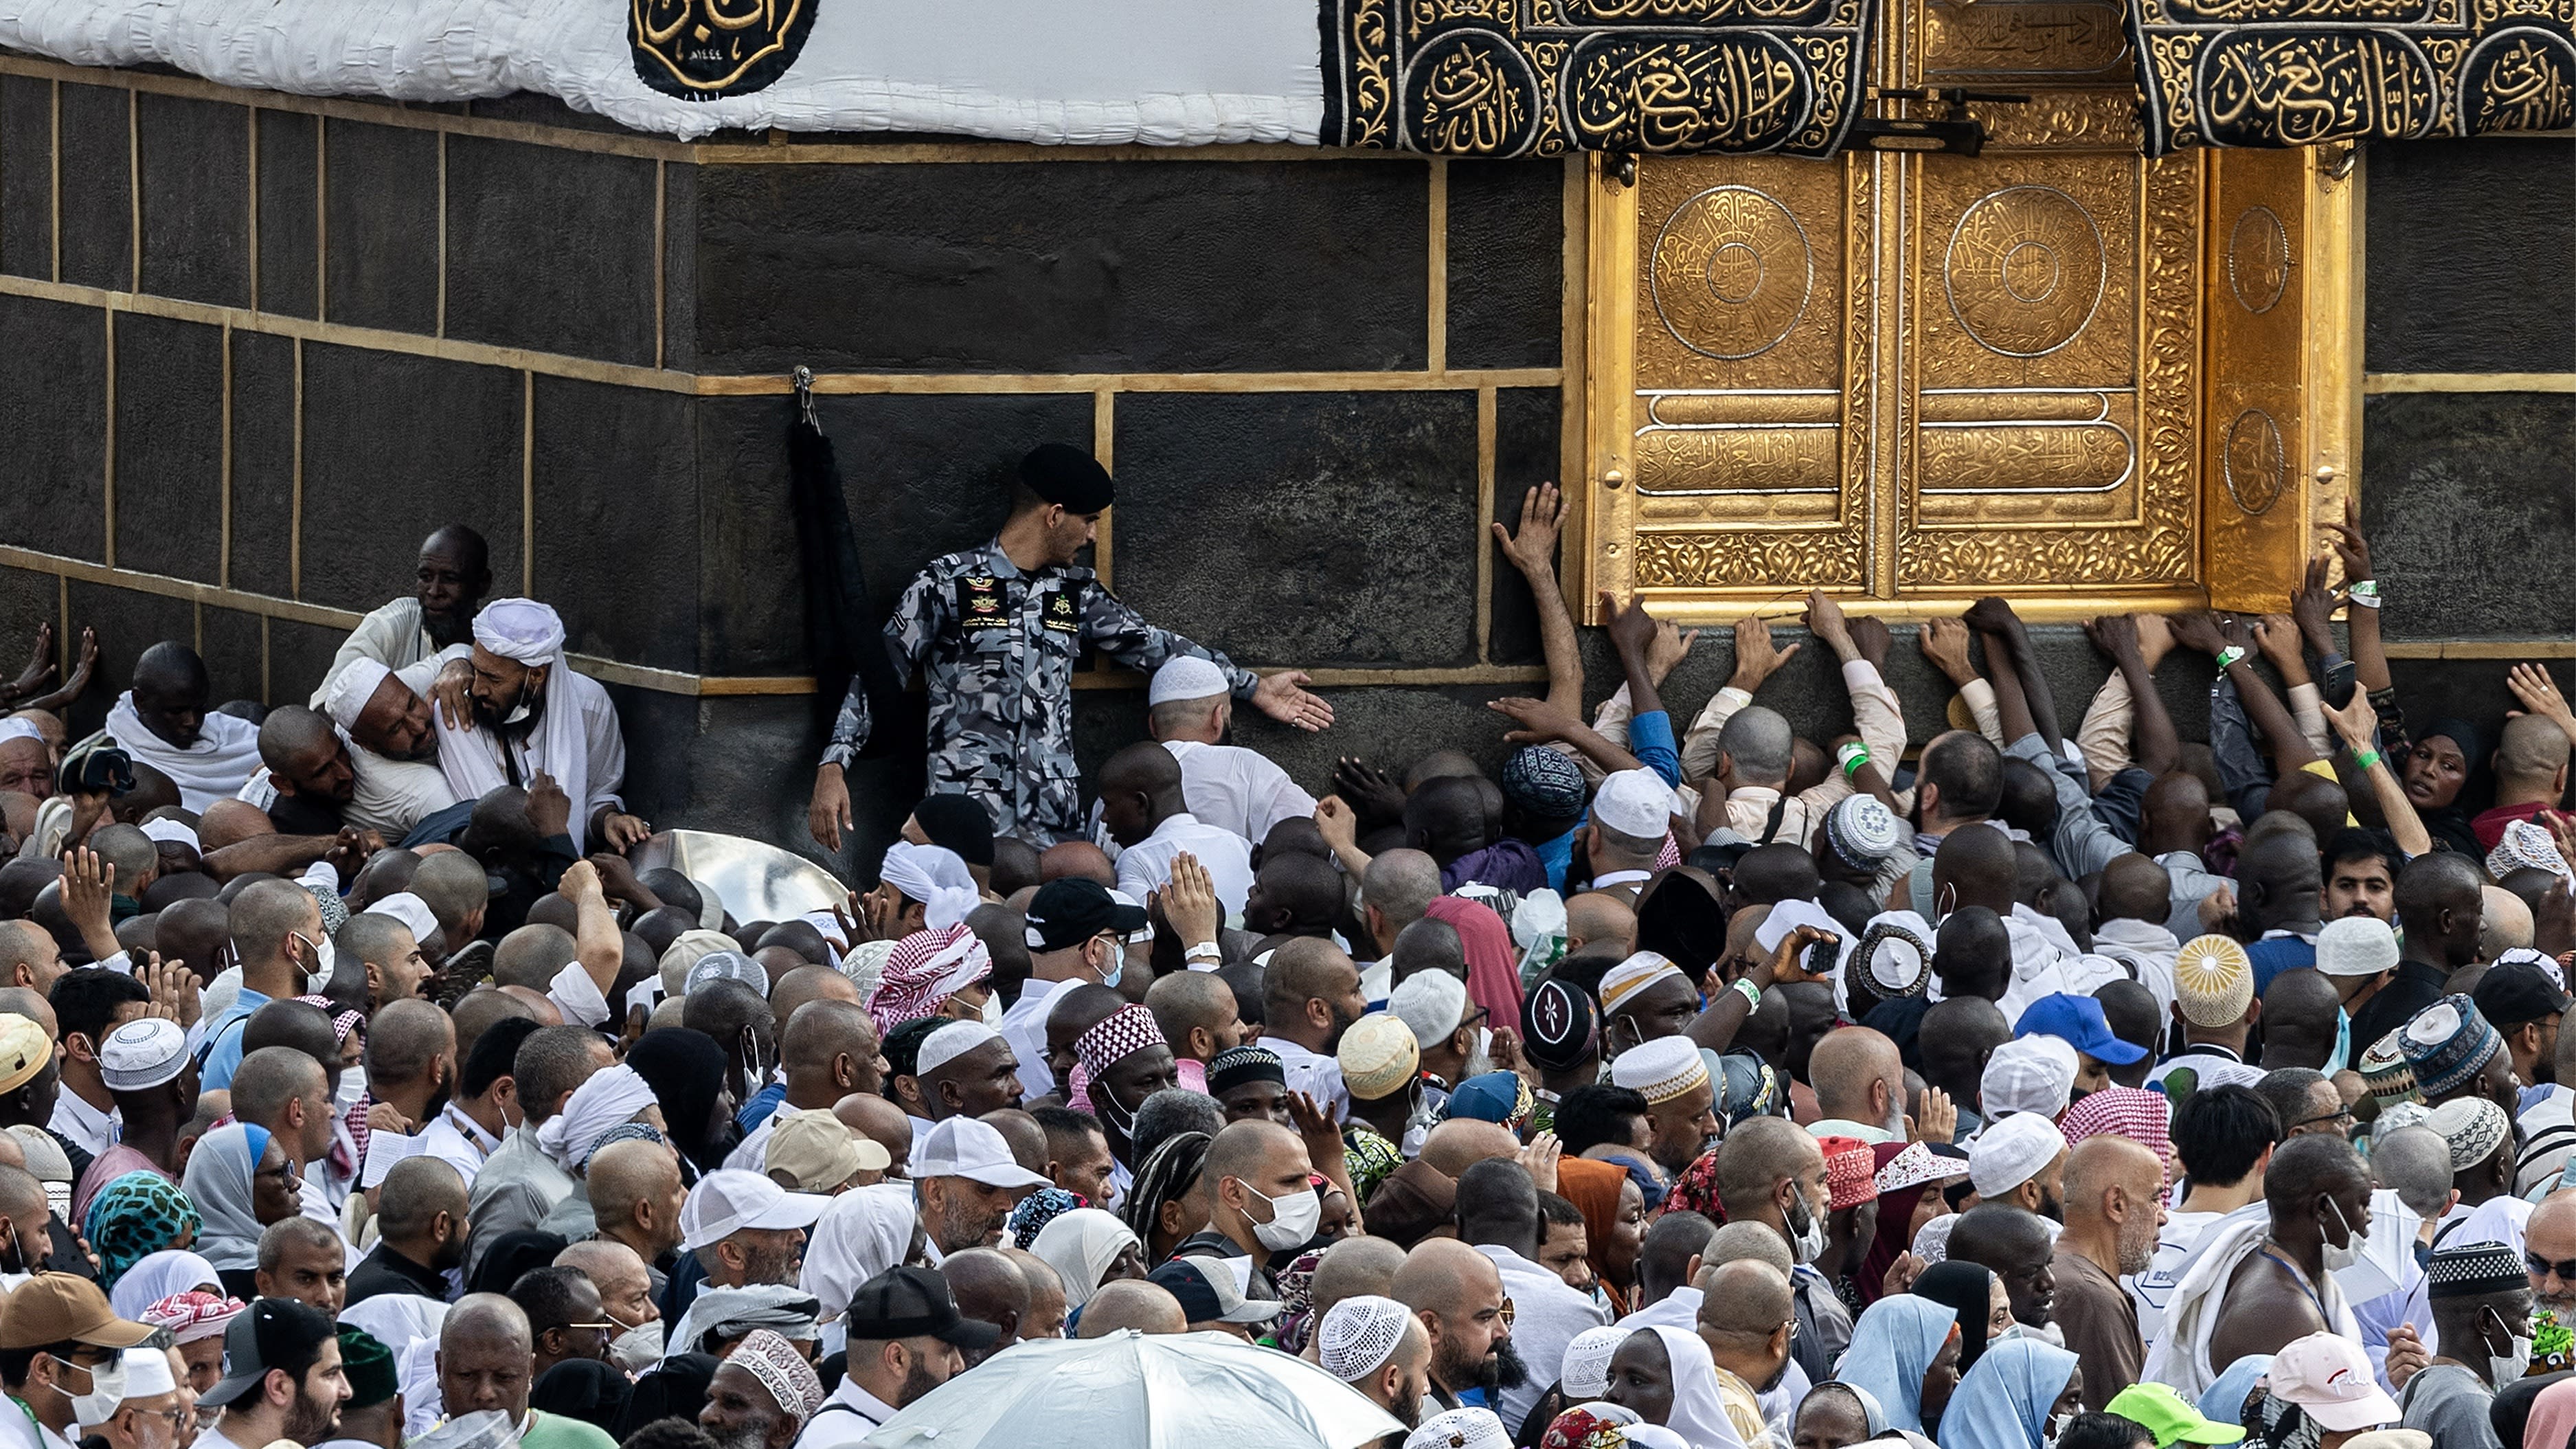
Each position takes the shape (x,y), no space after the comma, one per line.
(135,1216)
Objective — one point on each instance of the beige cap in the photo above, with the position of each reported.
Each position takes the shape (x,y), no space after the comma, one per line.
(1379,1056)
(820,1153)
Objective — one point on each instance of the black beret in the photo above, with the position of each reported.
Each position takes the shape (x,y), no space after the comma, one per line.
(1067,475)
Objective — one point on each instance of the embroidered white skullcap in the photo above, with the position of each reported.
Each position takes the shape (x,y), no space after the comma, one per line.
(409,909)
(2028,1074)
(1586,1370)
(1461,1429)
(351,688)
(951,1042)
(1932,1242)
(1186,676)
(2474,1126)
(864,964)
(1660,1070)
(165,829)
(521,630)
(1359,1335)
(2008,1152)
(725,966)
(144,1052)
(1431,1003)
(2356,946)
(1621,983)
(1634,802)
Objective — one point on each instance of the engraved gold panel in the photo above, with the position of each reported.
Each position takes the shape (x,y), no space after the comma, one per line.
(2057,370)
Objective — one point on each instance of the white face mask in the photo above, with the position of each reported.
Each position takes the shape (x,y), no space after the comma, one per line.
(107,1390)
(2513,1363)
(637,1349)
(325,961)
(2349,1253)
(1807,1243)
(992,1008)
(1293,1219)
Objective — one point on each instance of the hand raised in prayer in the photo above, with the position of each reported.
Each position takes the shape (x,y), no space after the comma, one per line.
(1189,901)
(2349,545)
(88,883)
(1935,1118)
(1539,1160)
(1283,697)
(1945,643)
(623,832)
(549,808)
(1755,659)
(1902,1273)
(1789,958)
(1323,1136)
(1506,1053)
(828,813)
(881,913)
(1532,548)
(452,691)
(1539,721)
(1368,790)
(39,671)
(75,686)
(2406,1355)
(2539,695)
(173,988)
(386,1117)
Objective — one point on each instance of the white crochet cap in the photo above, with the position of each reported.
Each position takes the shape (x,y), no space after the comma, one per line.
(1461,1429)
(1633,802)
(2356,946)
(1586,1372)
(2029,1074)
(1359,1335)
(950,1042)
(2010,1152)
(1186,676)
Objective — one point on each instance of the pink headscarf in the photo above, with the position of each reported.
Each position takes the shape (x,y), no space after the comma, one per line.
(1493,967)
(2553,1417)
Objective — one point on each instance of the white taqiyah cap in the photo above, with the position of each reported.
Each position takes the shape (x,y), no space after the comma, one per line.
(2356,946)
(144,1052)
(409,909)
(949,1043)
(2007,1153)
(2029,1074)
(351,688)
(1359,1335)
(1186,676)
(1634,802)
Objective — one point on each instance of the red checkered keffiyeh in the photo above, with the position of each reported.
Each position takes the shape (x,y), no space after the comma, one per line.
(923,971)
(343,1023)
(1123,1033)
(192,1315)
(2132,1112)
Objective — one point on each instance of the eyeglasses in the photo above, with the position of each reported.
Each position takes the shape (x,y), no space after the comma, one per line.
(2343,1120)
(2565,1268)
(284,1172)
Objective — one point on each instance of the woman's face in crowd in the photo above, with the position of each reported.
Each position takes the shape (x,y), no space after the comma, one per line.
(1641,1378)
(1941,1377)
(275,1193)
(2435,770)
(1627,1236)
(1998,1309)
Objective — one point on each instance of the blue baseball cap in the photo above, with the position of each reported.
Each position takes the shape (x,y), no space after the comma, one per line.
(2078,1021)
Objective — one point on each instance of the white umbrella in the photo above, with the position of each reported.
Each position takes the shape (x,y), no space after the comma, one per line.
(1139,1391)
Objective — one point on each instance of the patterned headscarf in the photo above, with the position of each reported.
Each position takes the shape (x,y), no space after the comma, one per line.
(781,1370)
(1594,1426)
(343,1023)
(1036,1211)
(1371,1157)
(1695,1191)
(923,970)
(133,1217)
(192,1315)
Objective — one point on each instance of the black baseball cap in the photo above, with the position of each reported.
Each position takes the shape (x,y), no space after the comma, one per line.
(915,1303)
(1206,1292)
(272,1333)
(2512,993)
(1070,911)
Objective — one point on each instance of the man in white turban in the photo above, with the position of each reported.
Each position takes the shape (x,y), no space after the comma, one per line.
(530,714)
(391,749)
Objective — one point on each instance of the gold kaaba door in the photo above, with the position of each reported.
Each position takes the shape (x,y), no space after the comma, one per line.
(2055,370)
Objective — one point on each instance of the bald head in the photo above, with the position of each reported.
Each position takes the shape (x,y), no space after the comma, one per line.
(1756,1158)
(1859,1075)
(415,1193)
(1600,918)
(1753,747)
(1191,1008)
(407,1041)
(1132,1303)
(1975,868)
(1399,885)
(801,984)
(1462,1142)
(1442,1273)
(1078,860)
(483,1320)
(627,1172)
(2504,923)
(2415,1164)
(1353,1267)
(1746,1296)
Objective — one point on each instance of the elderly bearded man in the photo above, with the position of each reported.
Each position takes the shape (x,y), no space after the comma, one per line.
(995,630)
(516,710)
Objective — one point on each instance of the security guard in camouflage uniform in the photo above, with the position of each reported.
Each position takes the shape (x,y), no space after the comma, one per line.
(997,630)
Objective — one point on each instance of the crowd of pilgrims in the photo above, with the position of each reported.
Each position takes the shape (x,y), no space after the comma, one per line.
(1676,1085)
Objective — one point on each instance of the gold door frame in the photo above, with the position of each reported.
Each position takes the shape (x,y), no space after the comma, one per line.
(2244,356)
